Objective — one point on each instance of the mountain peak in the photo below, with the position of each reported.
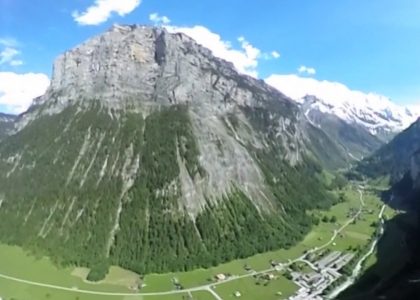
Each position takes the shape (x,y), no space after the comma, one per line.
(117,64)
(377,113)
(135,67)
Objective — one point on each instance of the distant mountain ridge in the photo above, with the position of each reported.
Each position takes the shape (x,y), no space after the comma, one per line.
(6,124)
(353,139)
(7,117)
(378,114)
(394,158)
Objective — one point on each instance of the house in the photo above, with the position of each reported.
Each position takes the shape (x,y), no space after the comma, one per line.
(221,277)
(247,268)
(273,263)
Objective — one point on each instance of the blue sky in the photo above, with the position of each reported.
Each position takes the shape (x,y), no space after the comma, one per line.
(372,46)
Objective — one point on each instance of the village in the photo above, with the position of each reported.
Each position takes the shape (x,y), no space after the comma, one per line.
(313,273)
(321,274)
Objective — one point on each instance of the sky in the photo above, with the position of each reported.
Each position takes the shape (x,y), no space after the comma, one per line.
(371,46)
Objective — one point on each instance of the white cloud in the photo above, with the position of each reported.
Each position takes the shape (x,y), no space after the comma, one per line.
(244,59)
(102,10)
(275,54)
(245,56)
(333,93)
(7,55)
(306,70)
(16,63)
(8,42)
(297,87)
(18,90)
(159,20)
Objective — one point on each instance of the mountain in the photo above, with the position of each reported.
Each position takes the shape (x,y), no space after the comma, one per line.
(149,153)
(353,139)
(375,113)
(415,169)
(395,274)
(396,157)
(6,124)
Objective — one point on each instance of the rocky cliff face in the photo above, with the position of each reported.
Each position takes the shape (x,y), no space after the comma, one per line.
(140,69)
(154,155)
(134,67)
(6,124)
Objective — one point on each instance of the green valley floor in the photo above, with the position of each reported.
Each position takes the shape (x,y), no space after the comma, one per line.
(24,277)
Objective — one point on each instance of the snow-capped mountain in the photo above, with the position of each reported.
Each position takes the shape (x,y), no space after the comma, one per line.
(378,114)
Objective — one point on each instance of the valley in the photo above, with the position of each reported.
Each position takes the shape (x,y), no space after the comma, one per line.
(152,168)
(22,275)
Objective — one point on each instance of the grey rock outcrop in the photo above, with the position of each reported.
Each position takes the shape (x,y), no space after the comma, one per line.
(135,67)
(140,68)
(6,124)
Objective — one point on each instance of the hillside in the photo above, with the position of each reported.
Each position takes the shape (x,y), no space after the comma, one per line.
(353,140)
(395,273)
(394,158)
(375,113)
(149,153)
(6,124)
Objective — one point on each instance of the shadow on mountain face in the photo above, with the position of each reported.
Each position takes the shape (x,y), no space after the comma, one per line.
(396,273)
(401,196)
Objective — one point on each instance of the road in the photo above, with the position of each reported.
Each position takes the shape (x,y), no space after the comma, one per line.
(351,220)
(209,287)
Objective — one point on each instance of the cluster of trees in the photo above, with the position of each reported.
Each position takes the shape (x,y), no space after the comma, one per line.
(332,219)
(339,182)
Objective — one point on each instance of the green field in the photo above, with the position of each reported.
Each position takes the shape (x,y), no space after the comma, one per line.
(16,263)
(279,288)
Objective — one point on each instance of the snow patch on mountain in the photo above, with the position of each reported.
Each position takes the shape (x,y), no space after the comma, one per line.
(375,112)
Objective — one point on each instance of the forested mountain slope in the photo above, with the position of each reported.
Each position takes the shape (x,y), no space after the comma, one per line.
(394,158)
(398,249)
(150,153)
